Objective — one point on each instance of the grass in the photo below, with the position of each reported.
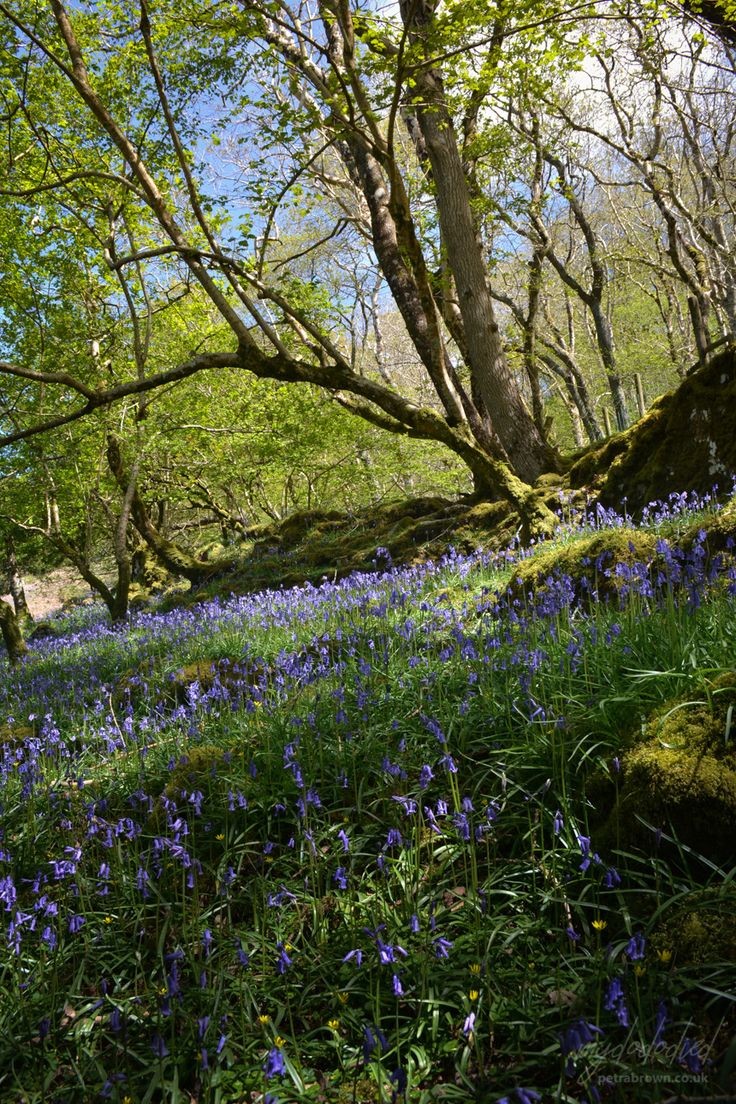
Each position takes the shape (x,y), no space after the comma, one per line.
(338,842)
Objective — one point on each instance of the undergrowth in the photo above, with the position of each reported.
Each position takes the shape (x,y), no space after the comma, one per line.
(338,842)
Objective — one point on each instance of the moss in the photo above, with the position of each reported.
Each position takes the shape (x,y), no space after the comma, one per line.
(697,932)
(199,769)
(12,735)
(593,558)
(681,777)
(686,441)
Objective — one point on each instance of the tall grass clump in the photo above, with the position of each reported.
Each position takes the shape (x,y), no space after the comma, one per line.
(361,842)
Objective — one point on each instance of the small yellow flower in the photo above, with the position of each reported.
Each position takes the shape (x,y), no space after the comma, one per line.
(600,925)
(288,947)
(127,1100)
(162,991)
(473,994)
(220,836)
(664,956)
(264,1020)
(640,970)
(343,997)
(333,1024)
(107,920)
(278,1041)
(475,968)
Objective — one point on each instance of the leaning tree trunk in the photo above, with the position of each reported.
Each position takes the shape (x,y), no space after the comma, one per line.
(12,635)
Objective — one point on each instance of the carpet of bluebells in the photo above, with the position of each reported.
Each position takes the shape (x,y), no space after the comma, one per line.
(331,843)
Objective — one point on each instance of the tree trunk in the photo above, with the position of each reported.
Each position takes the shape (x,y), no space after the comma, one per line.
(17,591)
(12,635)
(605,344)
(175,559)
(528,453)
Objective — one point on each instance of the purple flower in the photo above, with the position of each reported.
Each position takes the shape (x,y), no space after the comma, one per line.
(557,823)
(635,947)
(399,1080)
(460,821)
(158,1046)
(284,961)
(398,989)
(442,948)
(577,1035)
(76,923)
(689,1056)
(341,878)
(425,776)
(469,1025)
(274,1066)
(344,840)
(371,1041)
(354,955)
(615,1001)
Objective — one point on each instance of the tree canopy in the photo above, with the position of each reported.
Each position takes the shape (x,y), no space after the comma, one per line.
(465,224)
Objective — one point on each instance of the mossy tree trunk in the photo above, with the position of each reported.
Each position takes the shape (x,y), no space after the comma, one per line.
(12,635)
(17,590)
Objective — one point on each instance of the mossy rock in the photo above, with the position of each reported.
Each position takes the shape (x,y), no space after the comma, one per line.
(681,778)
(12,735)
(200,769)
(686,441)
(233,674)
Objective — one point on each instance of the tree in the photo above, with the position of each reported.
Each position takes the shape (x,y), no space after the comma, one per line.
(143,172)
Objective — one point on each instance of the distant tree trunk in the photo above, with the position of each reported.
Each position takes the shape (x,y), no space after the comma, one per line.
(175,559)
(12,635)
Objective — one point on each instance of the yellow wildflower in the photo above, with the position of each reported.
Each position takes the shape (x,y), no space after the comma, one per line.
(333,1024)
(599,925)
(664,956)
(473,994)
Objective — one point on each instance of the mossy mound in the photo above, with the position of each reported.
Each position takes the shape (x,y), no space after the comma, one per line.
(686,441)
(680,778)
(591,563)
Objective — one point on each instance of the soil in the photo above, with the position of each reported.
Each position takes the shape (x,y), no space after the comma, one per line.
(48,595)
